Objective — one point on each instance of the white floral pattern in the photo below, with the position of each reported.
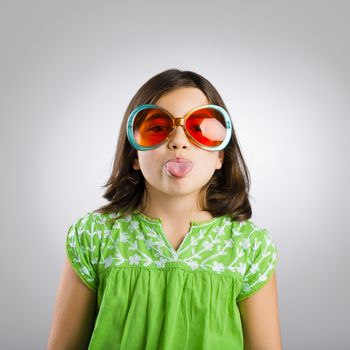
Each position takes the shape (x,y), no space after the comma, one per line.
(96,243)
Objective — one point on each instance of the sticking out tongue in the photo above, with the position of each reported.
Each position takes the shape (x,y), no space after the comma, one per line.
(179,168)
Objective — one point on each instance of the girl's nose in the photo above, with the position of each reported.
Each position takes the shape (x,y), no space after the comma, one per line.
(178,138)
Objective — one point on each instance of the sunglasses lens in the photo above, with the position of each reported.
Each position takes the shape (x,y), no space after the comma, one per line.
(151,127)
(207,126)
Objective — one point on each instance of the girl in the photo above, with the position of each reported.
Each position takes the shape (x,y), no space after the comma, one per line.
(173,261)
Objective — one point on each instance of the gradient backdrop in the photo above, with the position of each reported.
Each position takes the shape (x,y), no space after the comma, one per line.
(68,72)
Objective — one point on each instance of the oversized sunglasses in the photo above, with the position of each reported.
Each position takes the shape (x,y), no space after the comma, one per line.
(208,127)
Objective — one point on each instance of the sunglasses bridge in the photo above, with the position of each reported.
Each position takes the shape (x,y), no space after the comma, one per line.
(179,121)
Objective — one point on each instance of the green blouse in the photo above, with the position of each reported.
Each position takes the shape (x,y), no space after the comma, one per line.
(151,296)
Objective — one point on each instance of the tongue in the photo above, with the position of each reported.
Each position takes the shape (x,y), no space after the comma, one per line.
(178,168)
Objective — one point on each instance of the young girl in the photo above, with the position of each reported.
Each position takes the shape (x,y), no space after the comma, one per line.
(173,261)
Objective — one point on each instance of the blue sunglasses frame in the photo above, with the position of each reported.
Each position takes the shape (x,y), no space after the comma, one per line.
(177,122)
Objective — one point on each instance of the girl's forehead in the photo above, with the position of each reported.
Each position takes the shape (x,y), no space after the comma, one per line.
(179,101)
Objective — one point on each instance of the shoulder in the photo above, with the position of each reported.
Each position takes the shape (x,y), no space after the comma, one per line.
(252,240)
(259,257)
(90,239)
(97,227)
(248,231)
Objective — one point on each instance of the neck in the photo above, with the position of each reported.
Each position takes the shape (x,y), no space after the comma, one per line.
(174,208)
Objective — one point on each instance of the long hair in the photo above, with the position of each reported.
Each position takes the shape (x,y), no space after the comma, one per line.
(226,193)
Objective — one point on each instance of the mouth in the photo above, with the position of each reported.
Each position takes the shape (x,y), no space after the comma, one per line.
(178,167)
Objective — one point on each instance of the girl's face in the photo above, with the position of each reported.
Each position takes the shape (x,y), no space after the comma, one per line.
(151,163)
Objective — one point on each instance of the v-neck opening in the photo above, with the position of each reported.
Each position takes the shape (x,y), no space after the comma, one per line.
(193,224)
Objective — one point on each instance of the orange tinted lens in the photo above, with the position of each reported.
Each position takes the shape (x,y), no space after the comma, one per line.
(151,127)
(207,126)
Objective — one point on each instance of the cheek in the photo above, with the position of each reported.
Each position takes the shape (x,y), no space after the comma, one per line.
(150,163)
(206,166)
(208,160)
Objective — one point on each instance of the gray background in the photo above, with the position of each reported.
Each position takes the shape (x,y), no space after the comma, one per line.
(68,71)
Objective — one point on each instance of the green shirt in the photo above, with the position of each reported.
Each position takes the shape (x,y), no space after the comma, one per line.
(151,296)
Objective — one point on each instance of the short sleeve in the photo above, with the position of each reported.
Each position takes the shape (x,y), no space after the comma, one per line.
(261,259)
(81,250)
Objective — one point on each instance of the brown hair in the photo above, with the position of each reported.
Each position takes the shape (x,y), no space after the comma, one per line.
(227,191)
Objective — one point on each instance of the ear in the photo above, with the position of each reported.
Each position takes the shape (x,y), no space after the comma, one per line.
(136,164)
(220,159)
